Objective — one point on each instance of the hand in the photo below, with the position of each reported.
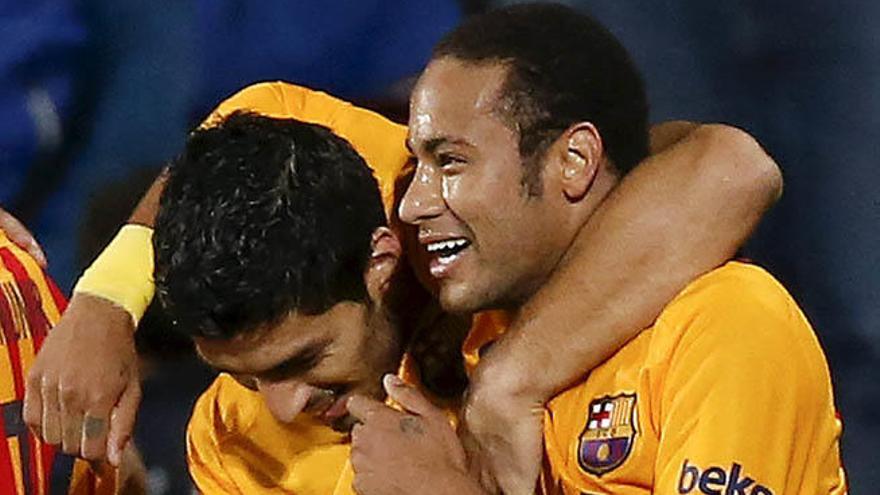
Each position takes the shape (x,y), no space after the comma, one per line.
(502,432)
(22,238)
(83,390)
(396,452)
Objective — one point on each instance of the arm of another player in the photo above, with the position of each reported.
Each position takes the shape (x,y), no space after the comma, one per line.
(681,212)
(83,390)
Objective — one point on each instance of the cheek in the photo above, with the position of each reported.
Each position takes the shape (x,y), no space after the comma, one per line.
(350,360)
(451,188)
(476,198)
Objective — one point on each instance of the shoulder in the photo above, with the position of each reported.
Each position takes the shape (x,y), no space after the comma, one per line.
(738,321)
(734,301)
(281,99)
(265,98)
(734,353)
(731,284)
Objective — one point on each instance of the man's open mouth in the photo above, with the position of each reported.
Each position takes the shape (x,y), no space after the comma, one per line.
(444,251)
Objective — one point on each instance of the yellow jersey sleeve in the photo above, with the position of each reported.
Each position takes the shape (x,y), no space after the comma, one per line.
(378,140)
(746,403)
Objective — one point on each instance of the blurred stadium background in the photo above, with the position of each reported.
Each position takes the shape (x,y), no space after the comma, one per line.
(97,94)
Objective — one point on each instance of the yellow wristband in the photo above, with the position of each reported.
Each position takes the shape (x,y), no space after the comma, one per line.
(123,273)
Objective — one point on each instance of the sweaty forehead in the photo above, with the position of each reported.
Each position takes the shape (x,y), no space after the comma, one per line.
(452,94)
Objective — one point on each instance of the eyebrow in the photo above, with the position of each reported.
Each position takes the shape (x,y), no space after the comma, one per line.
(303,360)
(431,145)
(300,362)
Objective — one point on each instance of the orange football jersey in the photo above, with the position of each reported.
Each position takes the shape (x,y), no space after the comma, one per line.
(727,393)
(29,305)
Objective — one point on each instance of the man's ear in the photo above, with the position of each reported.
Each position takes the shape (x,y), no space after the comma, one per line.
(581,159)
(385,255)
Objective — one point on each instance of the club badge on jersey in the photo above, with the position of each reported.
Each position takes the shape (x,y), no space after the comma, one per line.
(609,434)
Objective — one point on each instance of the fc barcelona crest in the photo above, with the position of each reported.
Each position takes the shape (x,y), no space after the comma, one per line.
(609,434)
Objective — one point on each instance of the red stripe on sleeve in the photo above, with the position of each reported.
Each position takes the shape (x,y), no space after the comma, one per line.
(38,478)
(12,345)
(48,453)
(57,295)
(7,477)
(36,315)
(39,325)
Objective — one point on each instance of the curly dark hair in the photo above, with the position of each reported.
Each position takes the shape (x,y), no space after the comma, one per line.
(261,217)
(563,68)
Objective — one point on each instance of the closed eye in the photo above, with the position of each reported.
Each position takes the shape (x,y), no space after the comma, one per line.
(445,160)
(303,361)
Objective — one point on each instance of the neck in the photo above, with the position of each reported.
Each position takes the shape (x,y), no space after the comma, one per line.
(583,233)
(606,181)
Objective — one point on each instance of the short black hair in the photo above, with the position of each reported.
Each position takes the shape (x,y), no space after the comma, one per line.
(563,68)
(261,217)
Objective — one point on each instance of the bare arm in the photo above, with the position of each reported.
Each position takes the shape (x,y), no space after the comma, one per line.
(95,411)
(147,208)
(679,214)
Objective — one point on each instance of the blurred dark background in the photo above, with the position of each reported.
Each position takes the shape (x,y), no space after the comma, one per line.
(97,94)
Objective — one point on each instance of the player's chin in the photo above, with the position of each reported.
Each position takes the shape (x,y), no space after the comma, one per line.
(460,298)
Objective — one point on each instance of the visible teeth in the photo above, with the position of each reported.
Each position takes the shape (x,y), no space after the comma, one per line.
(450,244)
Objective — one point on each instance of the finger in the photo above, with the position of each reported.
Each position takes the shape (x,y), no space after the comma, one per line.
(33,248)
(21,236)
(71,430)
(36,251)
(364,482)
(122,421)
(71,409)
(360,445)
(356,433)
(95,427)
(32,411)
(365,408)
(51,412)
(356,457)
(408,397)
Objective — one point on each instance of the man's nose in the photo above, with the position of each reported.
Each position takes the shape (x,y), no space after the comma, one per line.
(285,399)
(423,198)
